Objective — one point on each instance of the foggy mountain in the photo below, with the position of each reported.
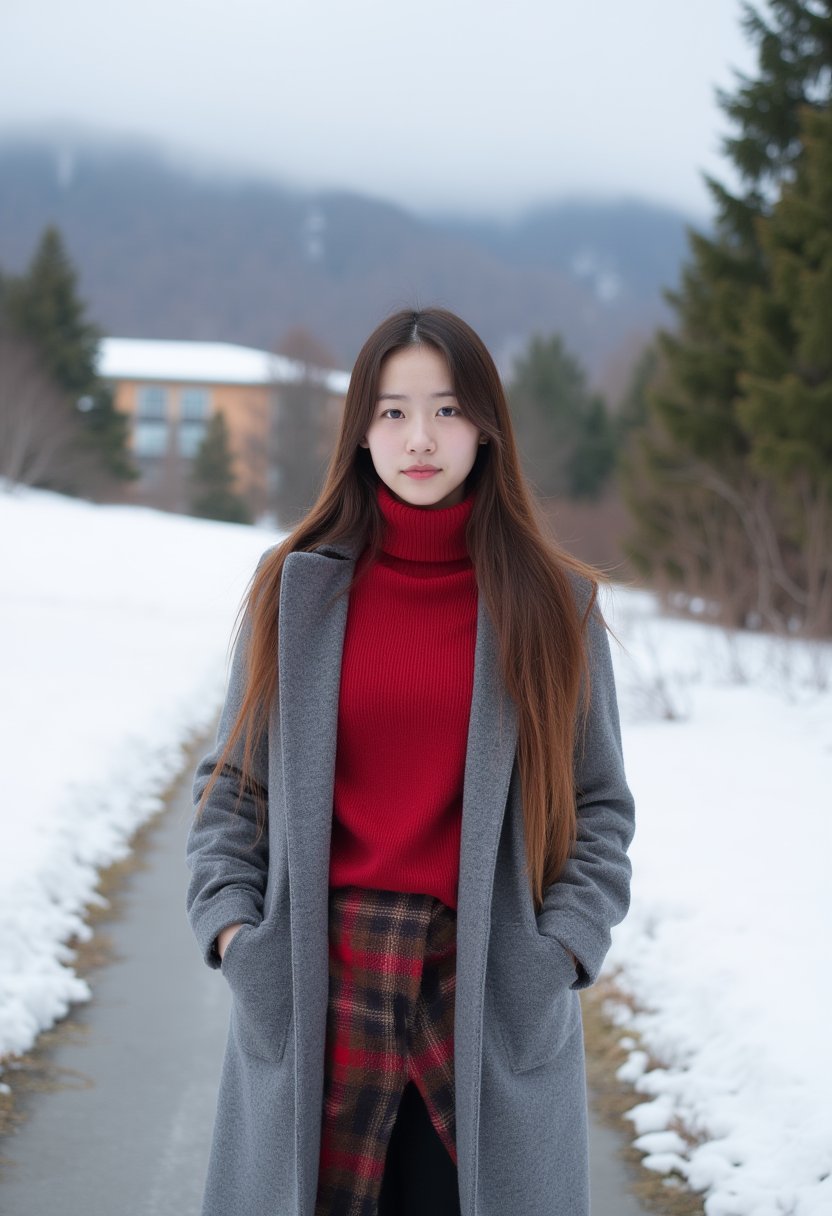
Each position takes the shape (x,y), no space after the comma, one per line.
(165,251)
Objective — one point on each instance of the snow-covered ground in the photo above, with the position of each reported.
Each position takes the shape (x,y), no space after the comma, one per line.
(726,947)
(116,624)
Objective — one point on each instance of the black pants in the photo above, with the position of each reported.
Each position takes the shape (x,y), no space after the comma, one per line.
(420,1178)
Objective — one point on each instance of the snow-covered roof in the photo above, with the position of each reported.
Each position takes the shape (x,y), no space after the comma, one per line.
(202,363)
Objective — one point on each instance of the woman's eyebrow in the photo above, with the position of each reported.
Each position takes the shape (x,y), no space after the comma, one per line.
(445,392)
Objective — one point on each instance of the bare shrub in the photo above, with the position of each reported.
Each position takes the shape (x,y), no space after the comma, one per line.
(652,689)
(593,531)
(37,429)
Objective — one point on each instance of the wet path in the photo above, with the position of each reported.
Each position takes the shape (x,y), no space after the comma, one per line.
(131,1137)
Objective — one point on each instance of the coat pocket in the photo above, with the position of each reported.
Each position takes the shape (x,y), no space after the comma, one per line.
(536,1008)
(257,966)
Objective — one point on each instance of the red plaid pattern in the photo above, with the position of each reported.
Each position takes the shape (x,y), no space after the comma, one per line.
(390,1019)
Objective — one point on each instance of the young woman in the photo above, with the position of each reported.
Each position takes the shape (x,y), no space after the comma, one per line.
(410,840)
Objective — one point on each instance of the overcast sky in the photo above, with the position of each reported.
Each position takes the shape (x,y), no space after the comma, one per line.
(473,105)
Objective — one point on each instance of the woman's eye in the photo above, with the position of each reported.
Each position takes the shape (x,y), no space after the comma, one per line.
(393,410)
(449,407)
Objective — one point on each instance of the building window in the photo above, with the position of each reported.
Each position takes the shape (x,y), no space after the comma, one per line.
(153,401)
(191,435)
(150,437)
(193,404)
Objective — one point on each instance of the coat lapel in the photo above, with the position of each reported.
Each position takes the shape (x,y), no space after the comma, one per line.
(311,638)
(492,740)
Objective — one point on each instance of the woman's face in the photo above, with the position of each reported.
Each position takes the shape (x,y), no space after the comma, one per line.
(418,424)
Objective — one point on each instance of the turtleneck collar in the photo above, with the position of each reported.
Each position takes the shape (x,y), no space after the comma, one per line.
(424,534)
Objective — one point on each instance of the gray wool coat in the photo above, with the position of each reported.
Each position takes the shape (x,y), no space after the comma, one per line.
(518,1050)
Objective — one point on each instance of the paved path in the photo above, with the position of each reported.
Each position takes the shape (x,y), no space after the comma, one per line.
(134,1140)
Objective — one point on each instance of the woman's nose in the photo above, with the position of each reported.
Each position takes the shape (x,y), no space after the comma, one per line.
(419,436)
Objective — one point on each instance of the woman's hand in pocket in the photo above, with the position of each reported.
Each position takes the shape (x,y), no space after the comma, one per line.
(224,937)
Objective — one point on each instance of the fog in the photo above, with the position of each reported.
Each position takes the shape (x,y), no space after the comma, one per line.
(444,105)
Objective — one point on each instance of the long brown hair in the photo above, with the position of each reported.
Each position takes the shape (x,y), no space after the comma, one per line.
(521,571)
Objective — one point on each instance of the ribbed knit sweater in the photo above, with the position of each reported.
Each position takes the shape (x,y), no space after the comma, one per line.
(407,677)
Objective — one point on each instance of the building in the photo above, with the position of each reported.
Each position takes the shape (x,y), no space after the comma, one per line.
(170,390)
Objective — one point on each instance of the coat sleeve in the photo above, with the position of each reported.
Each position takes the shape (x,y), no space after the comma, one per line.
(227,860)
(592,892)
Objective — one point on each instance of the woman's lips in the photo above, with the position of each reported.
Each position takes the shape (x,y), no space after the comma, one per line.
(420,474)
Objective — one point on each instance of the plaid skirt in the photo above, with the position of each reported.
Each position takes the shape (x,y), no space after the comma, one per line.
(390,1020)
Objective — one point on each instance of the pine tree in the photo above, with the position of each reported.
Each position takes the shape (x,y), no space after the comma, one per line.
(564,431)
(107,432)
(786,385)
(692,463)
(632,411)
(45,308)
(212,477)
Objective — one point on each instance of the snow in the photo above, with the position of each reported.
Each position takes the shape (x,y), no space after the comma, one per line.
(728,745)
(202,363)
(118,621)
(601,272)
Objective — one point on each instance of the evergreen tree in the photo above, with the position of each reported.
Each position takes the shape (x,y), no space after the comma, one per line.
(107,432)
(44,306)
(632,410)
(639,466)
(786,403)
(212,477)
(786,385)
(692,461)
(564,431)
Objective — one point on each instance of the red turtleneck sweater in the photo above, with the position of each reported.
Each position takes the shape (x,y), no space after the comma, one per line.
(407,676)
